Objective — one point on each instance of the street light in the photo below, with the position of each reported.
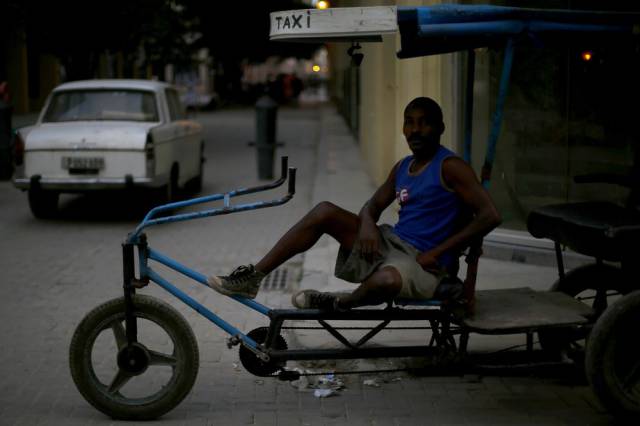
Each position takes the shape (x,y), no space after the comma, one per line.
(322,5)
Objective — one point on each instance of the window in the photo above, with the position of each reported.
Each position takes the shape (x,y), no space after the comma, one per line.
(102,104)
(566,114)
(176,110)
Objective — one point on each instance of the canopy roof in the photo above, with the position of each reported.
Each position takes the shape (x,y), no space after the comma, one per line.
(450,28)
(429,30)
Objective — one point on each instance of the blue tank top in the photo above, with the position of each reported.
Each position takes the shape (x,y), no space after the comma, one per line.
(428,210)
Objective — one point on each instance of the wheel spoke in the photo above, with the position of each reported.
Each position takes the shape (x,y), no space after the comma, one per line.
(633,378)
(121,379)
(161,359)
(119,333)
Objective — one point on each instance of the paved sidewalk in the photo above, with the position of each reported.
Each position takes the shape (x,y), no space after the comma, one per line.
(55,271)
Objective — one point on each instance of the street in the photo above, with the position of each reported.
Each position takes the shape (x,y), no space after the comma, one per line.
(55,271)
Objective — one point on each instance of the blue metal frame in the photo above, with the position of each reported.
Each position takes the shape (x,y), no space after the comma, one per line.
(149,220)
(145,253)
(497,114)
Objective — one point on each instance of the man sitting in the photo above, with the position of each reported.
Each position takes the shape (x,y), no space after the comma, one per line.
(433,187)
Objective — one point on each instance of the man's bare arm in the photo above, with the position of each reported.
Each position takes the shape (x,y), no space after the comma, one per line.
(462,179)
(370,214)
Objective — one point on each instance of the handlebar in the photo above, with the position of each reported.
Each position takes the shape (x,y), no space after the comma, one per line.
(285,172)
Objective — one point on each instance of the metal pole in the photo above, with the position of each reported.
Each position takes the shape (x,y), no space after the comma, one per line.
(497,115)
(468,110)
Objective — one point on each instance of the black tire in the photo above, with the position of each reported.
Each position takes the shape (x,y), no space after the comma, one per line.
(183,361)
(583,282)
(43,204)
(255,365)
(172,189)
(613,357)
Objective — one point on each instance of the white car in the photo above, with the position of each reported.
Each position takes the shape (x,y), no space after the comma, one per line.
(108,134)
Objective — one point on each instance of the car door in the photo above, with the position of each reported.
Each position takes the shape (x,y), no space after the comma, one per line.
(186,143)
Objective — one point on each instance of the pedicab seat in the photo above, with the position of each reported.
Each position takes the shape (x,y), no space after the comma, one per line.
(600,229)
(450,290)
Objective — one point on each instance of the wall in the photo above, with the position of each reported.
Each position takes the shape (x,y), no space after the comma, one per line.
(387,84)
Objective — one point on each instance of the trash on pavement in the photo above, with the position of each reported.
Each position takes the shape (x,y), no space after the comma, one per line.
(371,382)
(330,381)
(302,383)
(324,393)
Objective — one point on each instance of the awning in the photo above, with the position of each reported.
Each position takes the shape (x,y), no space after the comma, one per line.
(429,30)
(451,28)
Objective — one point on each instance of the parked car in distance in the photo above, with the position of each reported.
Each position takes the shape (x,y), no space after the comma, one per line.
(108,134)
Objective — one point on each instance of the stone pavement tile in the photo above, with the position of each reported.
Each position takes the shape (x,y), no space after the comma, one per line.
(219,416)
(195,408)
(285,418)
(242,416)
(288,395)
(336,422)
(302,420)
(333,408)
(267,418)
(582,398)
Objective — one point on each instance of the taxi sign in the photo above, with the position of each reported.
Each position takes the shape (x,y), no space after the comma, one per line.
(344,23)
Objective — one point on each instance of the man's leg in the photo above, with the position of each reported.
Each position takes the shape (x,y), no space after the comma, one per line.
(325,218)
(382,286)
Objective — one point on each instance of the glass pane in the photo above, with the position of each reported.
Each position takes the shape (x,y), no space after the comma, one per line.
(569,111)
(82,105)
(176,111)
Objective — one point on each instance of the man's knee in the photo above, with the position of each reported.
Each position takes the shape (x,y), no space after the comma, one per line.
(389,278)
(323,212)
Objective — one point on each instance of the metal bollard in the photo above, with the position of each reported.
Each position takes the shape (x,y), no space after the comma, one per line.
(266,118)
(6,166)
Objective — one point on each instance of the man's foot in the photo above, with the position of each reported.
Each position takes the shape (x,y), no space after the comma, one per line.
(243,281)
(314,299)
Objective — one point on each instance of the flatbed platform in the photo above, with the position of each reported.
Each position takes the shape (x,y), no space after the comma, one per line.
(519,310)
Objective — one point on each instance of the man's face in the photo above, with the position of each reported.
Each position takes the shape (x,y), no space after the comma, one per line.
(421,132)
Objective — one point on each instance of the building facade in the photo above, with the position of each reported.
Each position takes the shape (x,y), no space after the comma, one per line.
(569,111)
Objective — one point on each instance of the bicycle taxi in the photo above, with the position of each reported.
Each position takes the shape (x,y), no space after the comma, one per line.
(605,231)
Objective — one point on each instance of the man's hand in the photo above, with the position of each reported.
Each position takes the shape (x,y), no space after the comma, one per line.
(369,240)
(429,262)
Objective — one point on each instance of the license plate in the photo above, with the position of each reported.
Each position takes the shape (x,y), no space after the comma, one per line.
(85,163)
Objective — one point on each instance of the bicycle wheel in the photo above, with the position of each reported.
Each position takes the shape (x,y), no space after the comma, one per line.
(137,383)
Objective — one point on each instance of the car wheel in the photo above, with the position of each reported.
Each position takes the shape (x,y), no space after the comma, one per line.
(43,204)
(195,184)
(172,189)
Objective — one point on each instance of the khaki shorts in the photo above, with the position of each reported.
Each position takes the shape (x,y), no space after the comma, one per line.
(416,282)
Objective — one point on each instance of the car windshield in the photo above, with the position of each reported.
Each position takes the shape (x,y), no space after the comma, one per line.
(102,104)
